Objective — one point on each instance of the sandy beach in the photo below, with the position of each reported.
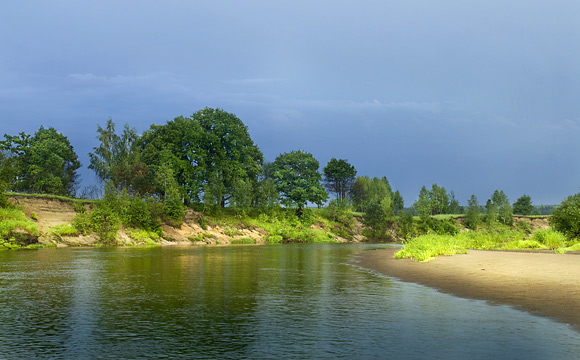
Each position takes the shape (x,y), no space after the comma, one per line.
(544,284)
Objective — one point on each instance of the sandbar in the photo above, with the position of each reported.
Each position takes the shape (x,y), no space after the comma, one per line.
(544,284)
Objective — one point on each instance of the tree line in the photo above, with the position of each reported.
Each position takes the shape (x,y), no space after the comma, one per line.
(209,160)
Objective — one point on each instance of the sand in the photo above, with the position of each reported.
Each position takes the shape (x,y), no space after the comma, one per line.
(544,284)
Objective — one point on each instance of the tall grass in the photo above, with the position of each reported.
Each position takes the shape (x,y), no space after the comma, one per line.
(12,219)
(427,247)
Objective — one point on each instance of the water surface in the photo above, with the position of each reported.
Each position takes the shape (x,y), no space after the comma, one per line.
(288,301)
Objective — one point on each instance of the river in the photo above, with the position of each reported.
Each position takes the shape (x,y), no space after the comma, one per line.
(234,302)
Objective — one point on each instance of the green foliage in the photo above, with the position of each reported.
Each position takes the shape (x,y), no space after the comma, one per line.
(242,241)
(82,222)
(13,220)
(231,232)
(173,209)
(378,218)
(339,177)
(366,191)
(550,238)
(472,216)
(566,217)
(67,229)
(105,222)
(524,226)
(427,247)
(499,209)
(454,207)
(439,200)
(201,237)
(298,180)
(341,212)
(8,173)
(398,202)
(142,236)
(285,227)
(118,159)
(523,205)
(405,226)
(44,163)
(423,205)
(234,161)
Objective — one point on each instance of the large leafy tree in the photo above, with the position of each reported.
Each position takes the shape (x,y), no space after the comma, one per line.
(118,159)
(298,180)
(339,177)
(211,155)
(366,191)
(233,160)
(566,217)
(523,205)
(45,162)
(176,146)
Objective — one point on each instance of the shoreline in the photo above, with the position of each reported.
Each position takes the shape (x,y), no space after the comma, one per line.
(542,284)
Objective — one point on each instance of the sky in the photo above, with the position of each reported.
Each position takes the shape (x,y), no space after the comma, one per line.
(472,95)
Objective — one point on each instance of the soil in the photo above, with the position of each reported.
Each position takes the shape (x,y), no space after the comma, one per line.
(541,283)
(48,212)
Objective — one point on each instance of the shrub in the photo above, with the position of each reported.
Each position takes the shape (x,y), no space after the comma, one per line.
(524,227)
(566,217)
(550,238)
(105,222)
(341,212)
(67,229)
(274,239)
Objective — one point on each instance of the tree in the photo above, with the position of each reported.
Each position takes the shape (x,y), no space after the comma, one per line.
(233,161)
(7,175)
(366,191)
(472,217)
(523,205)
(45,163)
(423,204)
(439,200)
(398,202)
(566,217)
(177,145)
(501,204)
(118,159)
(339,177)
(454,207)
(298,180)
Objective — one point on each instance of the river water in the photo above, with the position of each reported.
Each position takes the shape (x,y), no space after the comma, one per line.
(287,301)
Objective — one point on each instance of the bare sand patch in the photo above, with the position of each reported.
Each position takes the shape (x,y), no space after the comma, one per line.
(543,284)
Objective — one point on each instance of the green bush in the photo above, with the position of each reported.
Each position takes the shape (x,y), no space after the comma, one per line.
(105,222)
(524,227)
(566,217)
(340,212)
(550,238)
(61,230)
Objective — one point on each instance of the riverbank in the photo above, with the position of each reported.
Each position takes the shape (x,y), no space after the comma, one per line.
(543,284)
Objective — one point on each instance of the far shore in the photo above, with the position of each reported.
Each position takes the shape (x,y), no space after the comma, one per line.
(543,284)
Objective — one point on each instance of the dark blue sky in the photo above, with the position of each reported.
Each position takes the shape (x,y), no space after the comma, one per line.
(471,95)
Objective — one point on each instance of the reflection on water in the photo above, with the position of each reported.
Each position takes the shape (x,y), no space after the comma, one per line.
(291,301)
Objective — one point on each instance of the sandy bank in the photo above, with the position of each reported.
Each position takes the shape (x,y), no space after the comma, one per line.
(541,283)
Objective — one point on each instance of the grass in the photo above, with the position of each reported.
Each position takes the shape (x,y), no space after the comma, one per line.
(12,219)
(67,229)
(427,247)
(141,236)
